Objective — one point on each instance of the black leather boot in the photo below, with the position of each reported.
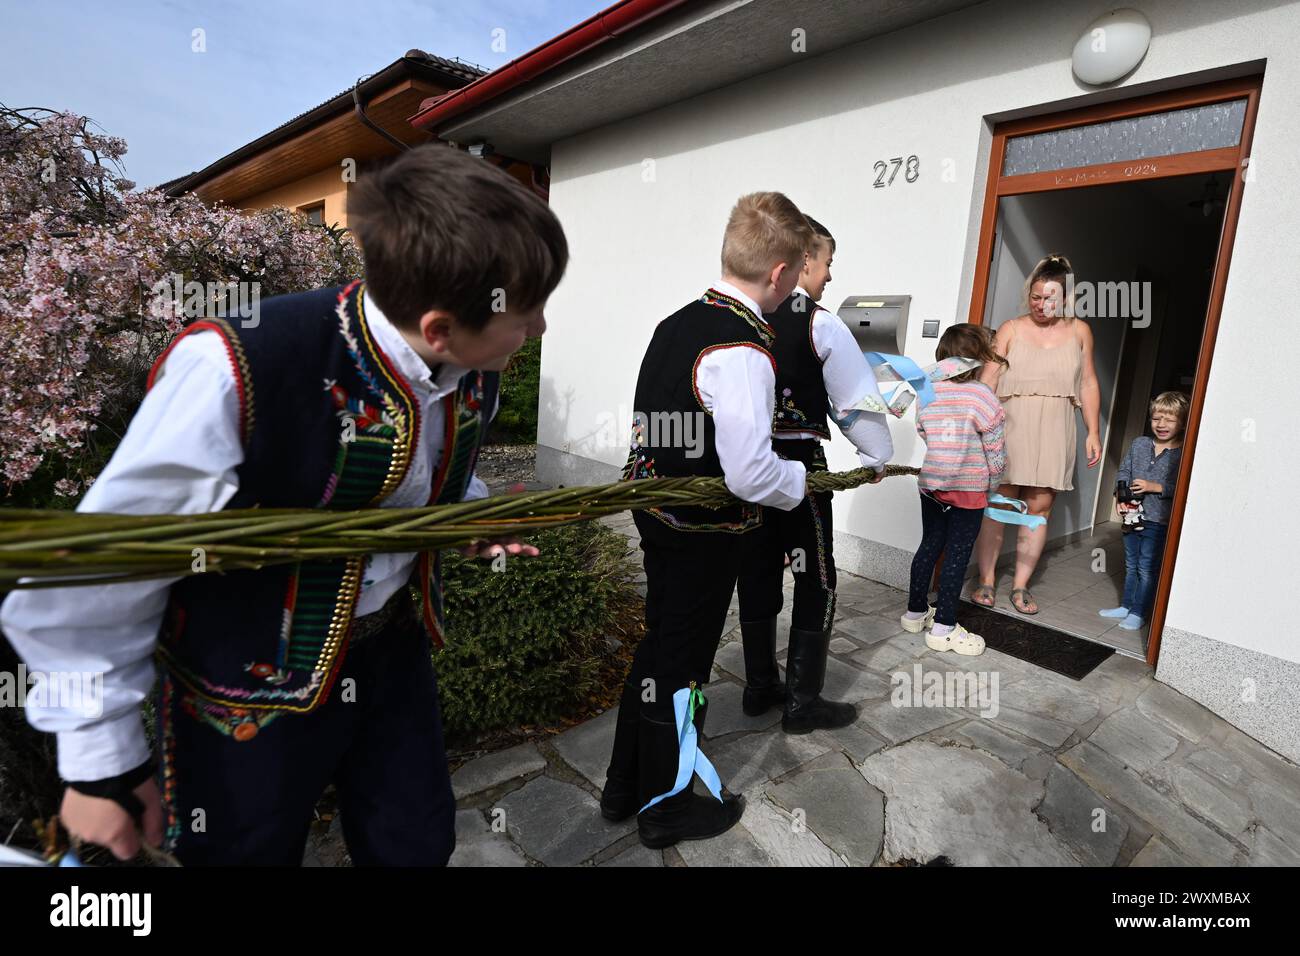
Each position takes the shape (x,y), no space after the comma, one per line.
(805,673)
(618,799)
(687,815)
(763,685)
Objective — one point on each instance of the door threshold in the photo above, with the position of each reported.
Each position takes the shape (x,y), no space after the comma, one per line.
(1126,650)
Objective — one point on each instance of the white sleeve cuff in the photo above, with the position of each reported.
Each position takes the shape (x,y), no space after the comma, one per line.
(103,749)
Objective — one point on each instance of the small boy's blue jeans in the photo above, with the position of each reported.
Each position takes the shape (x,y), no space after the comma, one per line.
(1142,553)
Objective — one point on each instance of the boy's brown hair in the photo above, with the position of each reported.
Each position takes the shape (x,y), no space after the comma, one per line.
(764,229)
(442,230)
(822,237)
(968,341)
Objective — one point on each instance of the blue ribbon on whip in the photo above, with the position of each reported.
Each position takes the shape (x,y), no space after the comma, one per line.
(901,369)
(690,760)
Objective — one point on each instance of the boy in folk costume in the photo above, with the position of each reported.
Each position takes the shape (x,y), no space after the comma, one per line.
(817,362)
(278,682)
(704,401)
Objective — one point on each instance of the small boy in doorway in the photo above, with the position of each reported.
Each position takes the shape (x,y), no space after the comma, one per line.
(1150,471)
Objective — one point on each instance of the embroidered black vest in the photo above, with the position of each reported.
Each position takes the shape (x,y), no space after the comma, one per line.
(672,432)
(800,390)
(327,421)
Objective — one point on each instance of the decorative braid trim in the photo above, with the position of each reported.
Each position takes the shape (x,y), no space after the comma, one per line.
(723,301)
(408,425)
(695,368)
(238,364)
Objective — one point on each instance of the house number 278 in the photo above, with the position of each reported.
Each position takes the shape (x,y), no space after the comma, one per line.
(912,165)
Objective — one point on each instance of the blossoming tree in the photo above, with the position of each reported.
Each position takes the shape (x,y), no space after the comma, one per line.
(81,253)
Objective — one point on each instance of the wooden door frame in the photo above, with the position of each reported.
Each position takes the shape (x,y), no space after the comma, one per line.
(1234,158)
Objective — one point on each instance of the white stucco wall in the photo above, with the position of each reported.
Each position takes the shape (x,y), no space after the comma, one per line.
(644,202)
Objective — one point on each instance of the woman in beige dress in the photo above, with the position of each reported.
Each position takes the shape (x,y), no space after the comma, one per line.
(1049,375)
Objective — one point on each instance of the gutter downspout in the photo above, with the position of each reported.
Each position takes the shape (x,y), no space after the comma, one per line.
(596,30)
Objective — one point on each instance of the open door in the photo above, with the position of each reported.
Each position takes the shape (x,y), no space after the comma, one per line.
(1054,176)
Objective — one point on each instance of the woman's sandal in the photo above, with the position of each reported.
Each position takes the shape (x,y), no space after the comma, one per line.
(981,589)
(1025,601)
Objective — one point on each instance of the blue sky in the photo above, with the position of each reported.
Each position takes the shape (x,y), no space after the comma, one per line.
(128,64)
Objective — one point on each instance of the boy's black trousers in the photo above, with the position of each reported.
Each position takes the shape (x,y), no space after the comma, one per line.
(807,534)
(377,738)
(690,579)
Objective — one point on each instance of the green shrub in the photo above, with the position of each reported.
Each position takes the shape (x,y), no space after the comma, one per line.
(527,644)
(516,419)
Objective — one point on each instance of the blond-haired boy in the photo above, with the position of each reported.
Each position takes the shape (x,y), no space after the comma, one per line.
(704,404)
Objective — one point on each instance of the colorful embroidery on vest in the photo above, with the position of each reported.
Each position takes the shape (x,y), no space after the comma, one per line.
(639,463)
(789,417)
(238,723)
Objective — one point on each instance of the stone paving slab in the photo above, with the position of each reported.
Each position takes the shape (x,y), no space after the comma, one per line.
(736,847)
(985,736)
(1094,827)
(850,684)
(496,769)
(731,658)
(559,824)
(1228,810)
(726,716)
(845,812)
(478,845)
(1277,808)
(1110,778)
(1217,766)
(586,748)
(1159,853)
(963,805)
(855,741)
(1052,697)
(1048,732)
(749,762)
(1137,742)
(787,840)
(637,856)
(870,628)
(1180,715)
(899,724)
(892,655)
(1267,850)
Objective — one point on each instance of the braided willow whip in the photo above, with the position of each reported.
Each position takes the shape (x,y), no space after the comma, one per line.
(41,549)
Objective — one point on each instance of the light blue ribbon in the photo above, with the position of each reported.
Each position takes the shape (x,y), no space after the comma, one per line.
(1019,516)
(690,760)
(907,371)
(919,382)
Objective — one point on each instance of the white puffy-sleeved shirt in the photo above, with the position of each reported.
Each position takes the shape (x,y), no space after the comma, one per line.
(848,379)
(737,386)
(179,457)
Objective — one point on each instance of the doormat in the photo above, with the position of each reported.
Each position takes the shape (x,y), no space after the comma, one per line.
(1020,637)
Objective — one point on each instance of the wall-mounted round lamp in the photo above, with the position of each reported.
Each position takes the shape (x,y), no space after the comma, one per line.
(1111,47)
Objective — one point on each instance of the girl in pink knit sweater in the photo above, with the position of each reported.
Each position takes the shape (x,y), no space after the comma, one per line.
(964,461)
